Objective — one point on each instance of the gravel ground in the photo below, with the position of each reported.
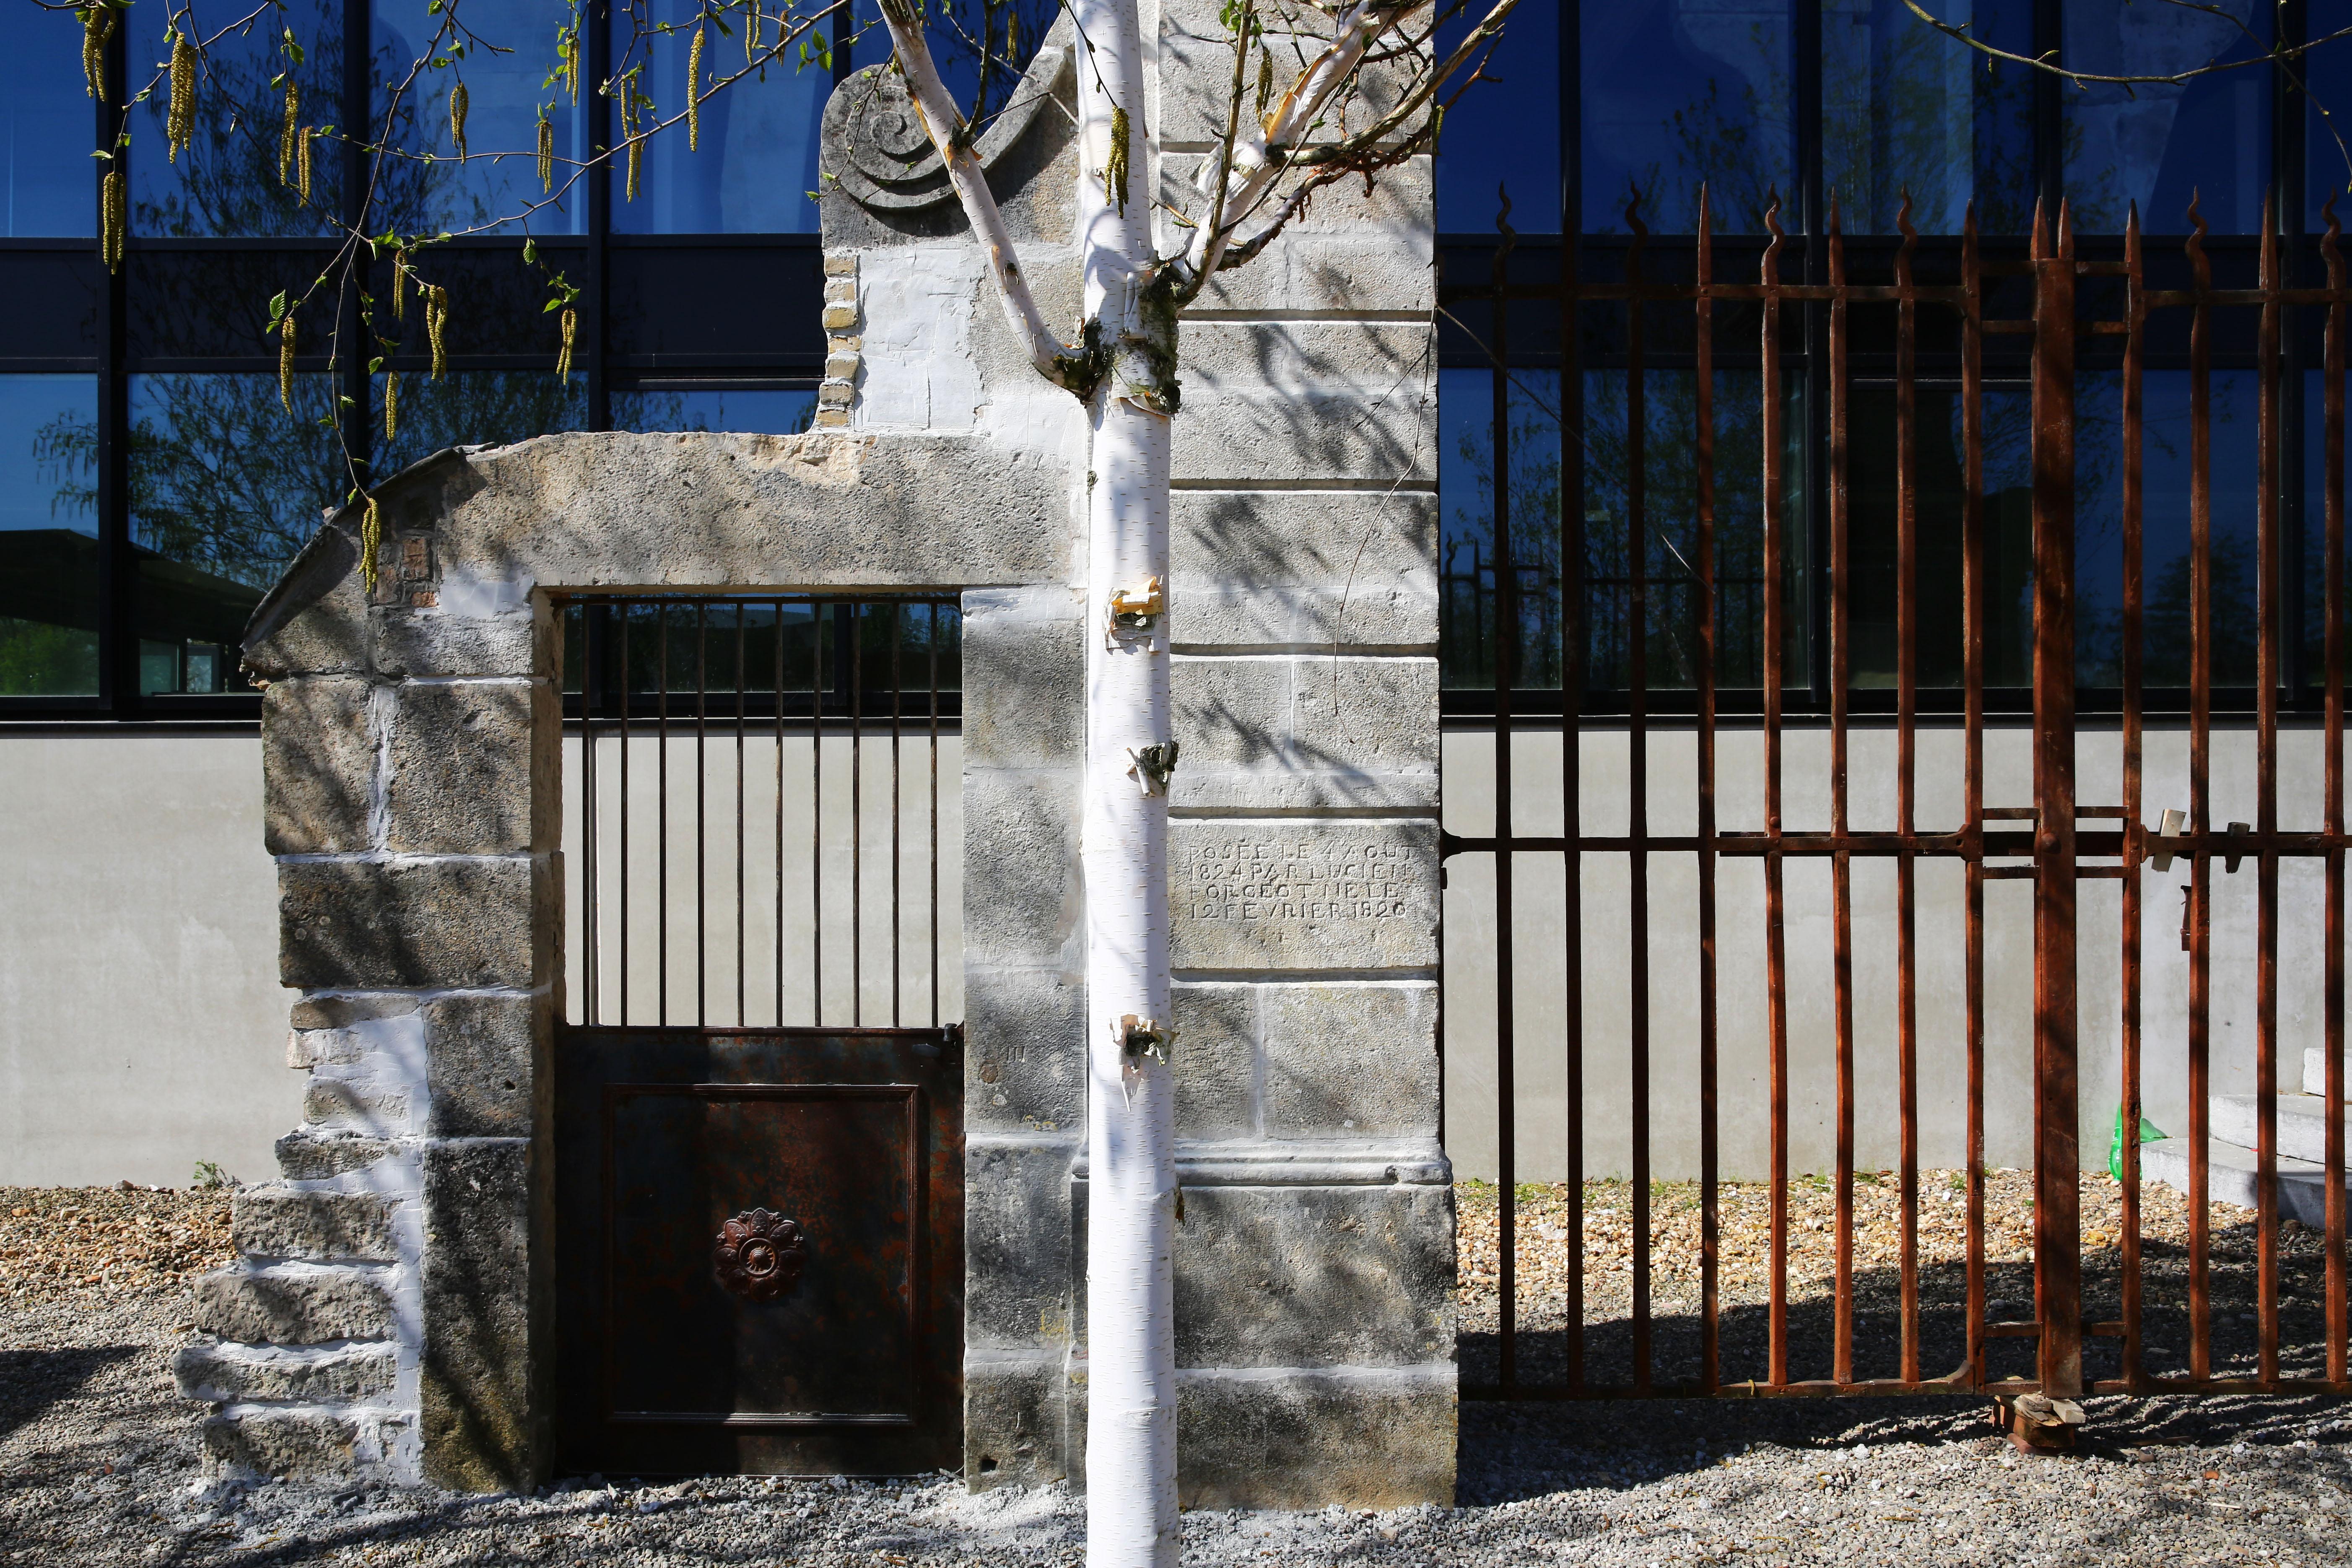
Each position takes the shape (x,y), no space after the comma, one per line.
(97,1465)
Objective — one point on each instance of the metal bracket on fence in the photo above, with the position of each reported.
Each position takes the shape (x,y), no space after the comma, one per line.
(2160,858)
(2237,830)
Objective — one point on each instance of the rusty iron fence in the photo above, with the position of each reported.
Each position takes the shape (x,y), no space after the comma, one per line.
(2044,307)
(758,838)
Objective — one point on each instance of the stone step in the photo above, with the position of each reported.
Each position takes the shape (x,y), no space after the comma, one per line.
(2315,1070)
(294,1304)
(223,1372)
(309,1156)
(2230,1177)
(274,1221)
(2302,1123)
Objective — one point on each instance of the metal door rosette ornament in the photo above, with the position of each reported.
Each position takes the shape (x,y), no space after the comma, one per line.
(758,1255)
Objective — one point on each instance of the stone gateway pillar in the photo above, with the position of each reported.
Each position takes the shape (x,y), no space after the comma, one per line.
(391,1312)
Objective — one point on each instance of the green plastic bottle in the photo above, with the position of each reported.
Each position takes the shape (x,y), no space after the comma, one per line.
(2149,1132)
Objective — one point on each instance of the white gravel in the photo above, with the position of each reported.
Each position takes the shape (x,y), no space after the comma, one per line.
(97,1465)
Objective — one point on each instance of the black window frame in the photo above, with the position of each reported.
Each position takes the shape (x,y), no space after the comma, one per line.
(1467,328)
(31,268)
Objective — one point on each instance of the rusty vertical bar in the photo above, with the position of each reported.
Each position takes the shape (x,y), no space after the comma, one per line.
(2058,1263)
(621,609)
(742,951)
(1841,861)
(1972,640)
(1507,642)
(591,643)
(591,688)
(2200,742)
(933,649)
(661,814)
(2267,609)
(1637,789)
(1576,638)
(897,711)
(701,801)
(779,812)
(818,641)
(2135,830)
(1710,1356)
(856,813)
(1776,951)
(2332,575)
(1906,772)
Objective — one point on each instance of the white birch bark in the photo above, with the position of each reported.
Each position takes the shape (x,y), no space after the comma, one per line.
(1130,1103)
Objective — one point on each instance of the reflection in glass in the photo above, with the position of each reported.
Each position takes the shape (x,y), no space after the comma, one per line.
(1465,499)
(47,127)
(1012,30)
(506,92)
(2327,72)
(1681,92)
(757,165)
(763,412)
(831,650)
(2314,530)
(1902,106)
(1504,133)
(478,407)
(1874,559)
(2165,552)
(226,488)
(226,182)
(2155,144)
(49,537)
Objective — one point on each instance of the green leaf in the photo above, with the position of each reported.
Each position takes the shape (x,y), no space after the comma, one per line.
(375,365)
(277,307)
(530,251)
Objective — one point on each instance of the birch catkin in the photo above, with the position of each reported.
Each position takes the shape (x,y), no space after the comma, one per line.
(371,543)
(694,91)
(291,134)
(179,119)
(1115,170)
(629,130)
(399,286)
(569,53)
(569,322)
(114,218)
(391,406)
(303,164)
(286,361)
(458,119)
(437,326)
(96,27)
(546,153)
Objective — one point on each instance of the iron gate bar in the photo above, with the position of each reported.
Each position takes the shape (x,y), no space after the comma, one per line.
(1841,859)
(1775,938)
(2333,588)
(1637,792)
(2050,848)
(611,707)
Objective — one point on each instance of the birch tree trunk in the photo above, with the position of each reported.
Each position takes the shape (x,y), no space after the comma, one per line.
(1130,1099)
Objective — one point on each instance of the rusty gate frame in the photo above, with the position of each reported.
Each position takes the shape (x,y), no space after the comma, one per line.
(2058,843)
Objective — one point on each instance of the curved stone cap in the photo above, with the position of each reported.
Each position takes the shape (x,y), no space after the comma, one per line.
(468,533)
(876,151)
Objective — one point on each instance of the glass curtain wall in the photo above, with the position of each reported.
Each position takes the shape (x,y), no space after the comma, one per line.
(1851,112)
(153,482)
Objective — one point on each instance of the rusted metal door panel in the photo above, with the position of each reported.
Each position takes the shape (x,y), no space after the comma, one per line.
(760,1260)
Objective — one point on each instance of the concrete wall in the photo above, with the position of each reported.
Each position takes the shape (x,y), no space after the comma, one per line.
(141,1025)
(1540,947)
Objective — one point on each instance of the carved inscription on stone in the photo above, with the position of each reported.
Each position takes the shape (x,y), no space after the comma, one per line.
(1328,895)
(1289,878)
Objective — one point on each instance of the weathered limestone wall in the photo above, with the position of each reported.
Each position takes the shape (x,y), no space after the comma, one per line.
(387,1313)
(1315,1257)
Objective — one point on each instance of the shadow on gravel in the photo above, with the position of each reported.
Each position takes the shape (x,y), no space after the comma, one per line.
(1509,1452)
(32,1381)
